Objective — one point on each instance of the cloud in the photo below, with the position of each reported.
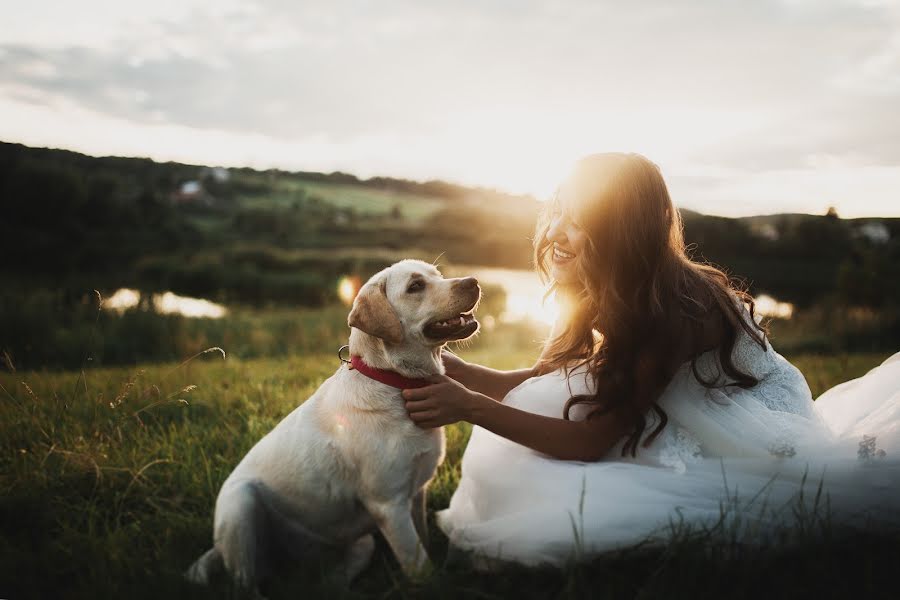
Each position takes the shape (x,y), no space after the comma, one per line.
(704,87)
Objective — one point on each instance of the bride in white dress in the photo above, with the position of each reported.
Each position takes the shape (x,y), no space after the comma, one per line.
(657,404)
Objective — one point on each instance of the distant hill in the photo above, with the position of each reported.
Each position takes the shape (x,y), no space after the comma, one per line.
(171,174)
(236,234)
(75,222)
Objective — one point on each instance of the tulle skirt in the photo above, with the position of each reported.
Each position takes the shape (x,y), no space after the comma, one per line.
(517,505)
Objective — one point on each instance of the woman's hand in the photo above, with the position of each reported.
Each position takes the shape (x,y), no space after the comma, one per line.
(482,380)
(443,402)
(455,367)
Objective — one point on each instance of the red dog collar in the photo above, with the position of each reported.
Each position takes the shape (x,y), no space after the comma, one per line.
(391,378)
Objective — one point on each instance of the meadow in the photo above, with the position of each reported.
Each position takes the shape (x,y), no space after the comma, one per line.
(117,429)
(108,477)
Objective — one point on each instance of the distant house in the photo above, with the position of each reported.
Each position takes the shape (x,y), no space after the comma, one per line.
(218,174)
(192,193)
(190,189)
(875,231)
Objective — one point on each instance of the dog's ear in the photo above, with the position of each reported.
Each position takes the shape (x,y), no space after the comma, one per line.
(373,314)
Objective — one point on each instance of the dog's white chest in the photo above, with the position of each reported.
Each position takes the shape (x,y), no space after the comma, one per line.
(383,450)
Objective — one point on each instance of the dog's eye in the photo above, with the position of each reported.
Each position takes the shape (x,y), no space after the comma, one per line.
(416,285)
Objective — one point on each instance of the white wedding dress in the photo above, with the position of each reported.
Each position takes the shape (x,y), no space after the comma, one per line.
(740,462)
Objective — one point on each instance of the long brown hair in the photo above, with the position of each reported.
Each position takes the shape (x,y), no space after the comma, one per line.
(639,293)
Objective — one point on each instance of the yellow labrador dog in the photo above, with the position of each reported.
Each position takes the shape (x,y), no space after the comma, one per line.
(349,461)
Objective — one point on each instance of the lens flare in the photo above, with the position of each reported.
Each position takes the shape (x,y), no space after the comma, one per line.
(348,286)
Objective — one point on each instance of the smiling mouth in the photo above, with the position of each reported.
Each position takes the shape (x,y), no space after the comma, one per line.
(459,327)
(561,255)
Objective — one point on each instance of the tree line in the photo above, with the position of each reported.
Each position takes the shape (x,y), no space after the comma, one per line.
(73,222)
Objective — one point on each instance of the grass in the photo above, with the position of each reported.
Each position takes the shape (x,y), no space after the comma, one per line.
(364,200)
(108,478)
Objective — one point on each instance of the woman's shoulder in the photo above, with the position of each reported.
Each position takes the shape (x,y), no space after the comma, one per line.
(751,353)
(575,377)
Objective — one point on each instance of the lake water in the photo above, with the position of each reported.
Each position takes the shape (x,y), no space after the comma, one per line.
(166,303)
(768,306)
(525,295)
(524,292)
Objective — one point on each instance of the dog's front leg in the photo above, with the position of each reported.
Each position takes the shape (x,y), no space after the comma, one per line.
(394,519)
(419,515)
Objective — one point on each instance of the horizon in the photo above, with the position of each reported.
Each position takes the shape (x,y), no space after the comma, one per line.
(783,106)
(365,180)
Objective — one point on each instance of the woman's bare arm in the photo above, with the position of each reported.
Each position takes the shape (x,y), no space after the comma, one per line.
(493,383)
(448,401)
(587,440)
(560,438)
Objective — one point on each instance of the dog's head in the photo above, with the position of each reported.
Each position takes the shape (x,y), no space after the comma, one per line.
(410,302)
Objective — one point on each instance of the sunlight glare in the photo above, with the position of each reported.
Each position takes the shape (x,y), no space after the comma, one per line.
(767,306)
(520,307)
(166,303)
(122,300)
(340,422)
(348,286)
(169,303)
(523,290)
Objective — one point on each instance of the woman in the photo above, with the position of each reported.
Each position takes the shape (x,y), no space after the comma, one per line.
(657,401)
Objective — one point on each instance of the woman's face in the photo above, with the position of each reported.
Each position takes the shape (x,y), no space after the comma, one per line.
(569,242)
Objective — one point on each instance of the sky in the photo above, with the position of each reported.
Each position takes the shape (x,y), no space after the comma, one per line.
(748,107)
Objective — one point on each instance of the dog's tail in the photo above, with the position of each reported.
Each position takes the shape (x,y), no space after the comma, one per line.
(205,567)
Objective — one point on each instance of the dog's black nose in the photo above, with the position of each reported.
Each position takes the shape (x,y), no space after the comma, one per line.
(468,283)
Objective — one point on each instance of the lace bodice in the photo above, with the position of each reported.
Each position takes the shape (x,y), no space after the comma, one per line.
(781,385)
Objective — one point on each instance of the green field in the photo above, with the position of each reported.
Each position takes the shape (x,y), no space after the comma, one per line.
(109,476)
(111,454)
(361,199)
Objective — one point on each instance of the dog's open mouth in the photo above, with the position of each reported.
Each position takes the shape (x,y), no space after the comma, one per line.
(455,328)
